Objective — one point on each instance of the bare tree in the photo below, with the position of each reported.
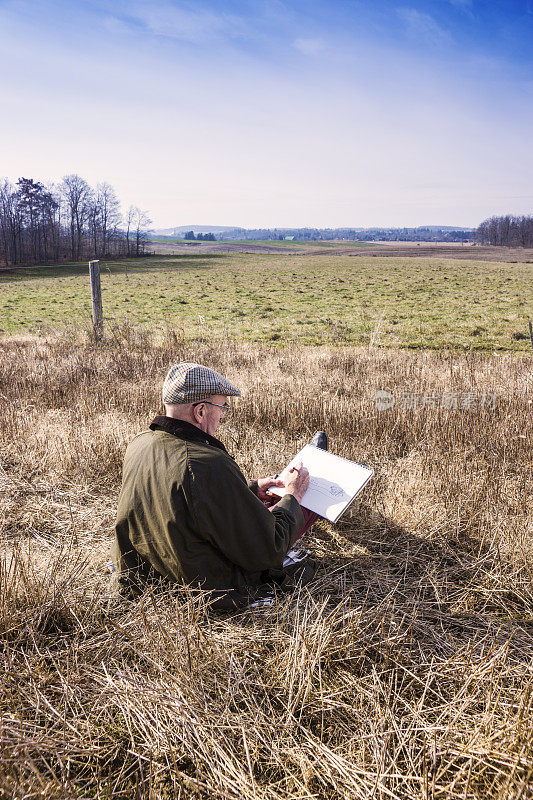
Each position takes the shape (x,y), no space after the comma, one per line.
(94,226)
(76,194)
(141,222)
(109,212)
(507,231)
(130,221)
(10,225)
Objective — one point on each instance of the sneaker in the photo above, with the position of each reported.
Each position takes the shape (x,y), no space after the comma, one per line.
(320,440)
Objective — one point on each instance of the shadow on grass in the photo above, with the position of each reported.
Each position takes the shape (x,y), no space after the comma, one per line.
(110,267)
(458,590)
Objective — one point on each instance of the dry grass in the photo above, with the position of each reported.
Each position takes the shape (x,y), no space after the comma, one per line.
(404,671)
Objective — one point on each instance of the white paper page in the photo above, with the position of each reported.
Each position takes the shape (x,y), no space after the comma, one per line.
(334,481)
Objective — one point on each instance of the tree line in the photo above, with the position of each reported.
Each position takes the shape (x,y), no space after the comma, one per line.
(69,220)
(506,231)
(420,234)
(200,237)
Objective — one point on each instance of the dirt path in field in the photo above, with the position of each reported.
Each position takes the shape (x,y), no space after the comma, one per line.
(432,250)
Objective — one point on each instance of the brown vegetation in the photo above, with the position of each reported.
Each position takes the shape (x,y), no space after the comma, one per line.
(403,671)
(510,231)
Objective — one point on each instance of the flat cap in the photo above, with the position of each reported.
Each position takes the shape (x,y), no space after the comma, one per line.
(188,382)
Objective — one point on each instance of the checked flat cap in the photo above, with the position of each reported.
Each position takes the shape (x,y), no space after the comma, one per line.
(187,382)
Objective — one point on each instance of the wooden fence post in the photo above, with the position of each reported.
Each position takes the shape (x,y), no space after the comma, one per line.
(96,297)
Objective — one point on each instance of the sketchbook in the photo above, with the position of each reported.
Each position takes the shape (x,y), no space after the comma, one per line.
(334,481)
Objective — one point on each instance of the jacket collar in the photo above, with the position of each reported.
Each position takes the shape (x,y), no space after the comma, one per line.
(185,430)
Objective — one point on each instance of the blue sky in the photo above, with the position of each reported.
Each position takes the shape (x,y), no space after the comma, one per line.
(268,113)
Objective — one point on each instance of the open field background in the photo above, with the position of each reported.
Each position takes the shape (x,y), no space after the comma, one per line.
(163,245)
(320,298)
(466,251)
(403,672)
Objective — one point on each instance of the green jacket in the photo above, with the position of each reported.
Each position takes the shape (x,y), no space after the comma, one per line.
(186,514)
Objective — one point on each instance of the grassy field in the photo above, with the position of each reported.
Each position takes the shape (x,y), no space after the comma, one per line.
(403,672)
(299,298)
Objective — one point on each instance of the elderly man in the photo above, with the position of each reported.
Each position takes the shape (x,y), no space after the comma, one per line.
(186,513)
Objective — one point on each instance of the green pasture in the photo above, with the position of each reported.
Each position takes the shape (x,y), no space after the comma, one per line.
(315,299)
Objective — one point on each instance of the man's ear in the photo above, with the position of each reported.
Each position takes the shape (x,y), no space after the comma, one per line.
(198,412)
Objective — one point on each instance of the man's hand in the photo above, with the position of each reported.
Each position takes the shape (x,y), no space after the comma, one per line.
(297,482)
(264,484)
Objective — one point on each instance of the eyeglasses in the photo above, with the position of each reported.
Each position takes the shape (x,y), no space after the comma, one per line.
(225,406)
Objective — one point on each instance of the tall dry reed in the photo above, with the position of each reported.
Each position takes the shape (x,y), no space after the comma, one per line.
(403,671)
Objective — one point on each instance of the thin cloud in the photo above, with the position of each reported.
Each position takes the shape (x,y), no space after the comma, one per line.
(423,27)
(194,25)
(466,6)
(309,47)
(115,25)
